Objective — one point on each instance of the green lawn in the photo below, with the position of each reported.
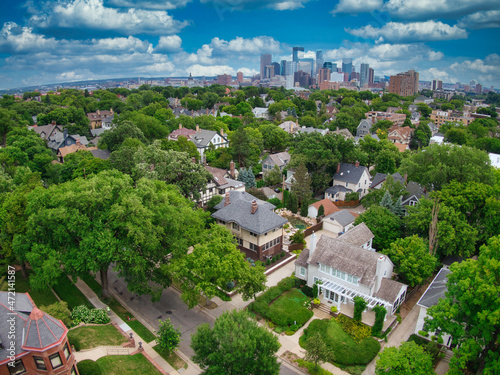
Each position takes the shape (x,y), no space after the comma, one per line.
(93,336)
(289,309)
(137,326)
(173,359)
(345,350)
(126,365)
(41,298)
(67,291)
(93,284)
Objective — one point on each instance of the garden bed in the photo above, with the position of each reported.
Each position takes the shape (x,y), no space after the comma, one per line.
(173,359)
(348,349)
(89,337)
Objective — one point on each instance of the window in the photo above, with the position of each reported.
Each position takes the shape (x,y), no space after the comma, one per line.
(236,226)
(66,351)
(18,368)
(55,360)
(302,271)
(253,247)
(40,363)
(253,234)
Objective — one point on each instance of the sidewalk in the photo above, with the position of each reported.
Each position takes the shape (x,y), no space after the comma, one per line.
(148,348)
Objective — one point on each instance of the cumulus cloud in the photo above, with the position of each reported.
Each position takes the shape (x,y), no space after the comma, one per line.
(169,43)
(248,72)
(357,6)
(415,31)
(93,14)
(487,66)
(250,46)
(211,70)
(14,38)
(145,4)
(161,68)
(435,73)
(421,9)
(129,44)
(481,20)
(230,5)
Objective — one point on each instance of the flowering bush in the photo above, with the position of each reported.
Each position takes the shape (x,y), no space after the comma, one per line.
(83,314)
(316,301)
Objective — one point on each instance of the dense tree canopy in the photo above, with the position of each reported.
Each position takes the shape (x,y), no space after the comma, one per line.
(408,359)
(385,226)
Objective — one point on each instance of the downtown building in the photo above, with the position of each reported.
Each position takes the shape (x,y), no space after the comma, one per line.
(404,84)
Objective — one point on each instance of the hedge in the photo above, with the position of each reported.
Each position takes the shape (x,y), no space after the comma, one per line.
(88,367)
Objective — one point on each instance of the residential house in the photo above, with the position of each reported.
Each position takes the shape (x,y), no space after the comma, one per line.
(400,134)
(402,147)
(281,159)
(349,178)
(203,139)
(379,179)
(339,222)
(257,229)
(222,181)
(415,193)
(364,128)
(328,207)
(310,129)
(184,132)
(261,112)
(58,140)
(437,138)
(495,160)
(289,126)
(47,131)
(100,154)
(395,118)
(97,118)
(66,150)
(343,270)
(344,133)
(32,341)
(431,297)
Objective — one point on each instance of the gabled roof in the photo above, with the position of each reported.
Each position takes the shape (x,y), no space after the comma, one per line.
(337,189)
(202,137)
(436,289)
(389,290)
(381,177)
(343,217)
(344,133)
(349,173)
(63,151)
(414,190)
(401,147)
(239,211)
(328,205)
(188,133)
(280,159)
(100,154)
(357,236)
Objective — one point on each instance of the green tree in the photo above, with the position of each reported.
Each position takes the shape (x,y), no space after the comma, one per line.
(273,177)
(292,203)
(316,349)
(359,306)
(412,260)
(181,145)
(173,167)
(112,139)
(59,310)
(304,208)
(387,201)
(321,211)
(88,225)
(301,185)
(380,313)
(385,226)
(275,139)
(8,121)
(167,336)
(408,359)
(213,263)
(235,345)
(469,312)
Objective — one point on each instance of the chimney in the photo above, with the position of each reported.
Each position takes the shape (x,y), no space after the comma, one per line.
(405,178)
(312,244)
(254,206)
(53,123)
(222,132)
(226,199)
(65,133)
(357,163)
(78,143)
(338,168)
(197,128)
(231,169)
(98,112)
(207,111)
(379,273)
(180,126)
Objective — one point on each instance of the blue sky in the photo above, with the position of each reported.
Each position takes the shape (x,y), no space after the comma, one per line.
(68,40)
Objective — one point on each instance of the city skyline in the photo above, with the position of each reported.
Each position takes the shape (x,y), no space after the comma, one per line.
(76,40)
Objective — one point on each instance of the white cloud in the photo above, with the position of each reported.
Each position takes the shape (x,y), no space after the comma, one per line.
(211,70)
(257,45)
(421,9)
(415,31)
(22,39)
(248,72)
(435,73)
(231,5)
(93,14)
(488,66)
(145,4)
(120,44)
(481,20)
(357,6)
(163,68)
(169,43)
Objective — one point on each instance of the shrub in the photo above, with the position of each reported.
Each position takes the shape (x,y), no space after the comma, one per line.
(299,283)
(423,333)
(268,262)
(76,343)
(298,237)
(315,290)
(287,284)
(83,314)
(359,306)
(380,312)
(311,367)
(333,309)
(59,310)
(273,259)
(352,196)
(289,332)
(358,331)
(271,325)
(440,340)
(307,291)
(88,367)
(316,301)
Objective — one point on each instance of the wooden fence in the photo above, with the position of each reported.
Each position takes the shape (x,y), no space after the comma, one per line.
(313,228)
(295,246)
(347,204)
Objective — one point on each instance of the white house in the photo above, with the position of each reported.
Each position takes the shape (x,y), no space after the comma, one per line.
(434,292)
(203,139)
(281,159)
(261,112)
(349,178)
(339,222)
(343,269)
(495,159)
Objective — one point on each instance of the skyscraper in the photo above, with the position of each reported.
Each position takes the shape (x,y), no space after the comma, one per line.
(319,60)
(347,66)
(331,66)
(404,84)
(239,77)
(277,68)
(304,63)
(364,74)
(324,74)
(296,55)
(265,59)
(371,74)
(437,84)
(283,71)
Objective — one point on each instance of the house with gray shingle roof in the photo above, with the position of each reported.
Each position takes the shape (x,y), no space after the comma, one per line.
(31,340)
(348,178)
(257,229)
(338,222)
(345,270)
(281,159)
(379,179)
(203,139)
(435,291)
(415,193)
